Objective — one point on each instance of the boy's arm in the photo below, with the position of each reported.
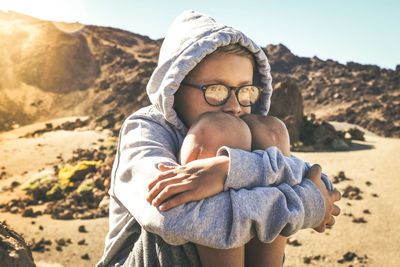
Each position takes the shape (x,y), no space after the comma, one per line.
(264,168)
(226,220)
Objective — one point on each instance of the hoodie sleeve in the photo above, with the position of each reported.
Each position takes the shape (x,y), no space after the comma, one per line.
(227,220)
(268,168)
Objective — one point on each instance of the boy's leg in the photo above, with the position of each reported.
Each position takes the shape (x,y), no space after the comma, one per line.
(209,133)
(267,131)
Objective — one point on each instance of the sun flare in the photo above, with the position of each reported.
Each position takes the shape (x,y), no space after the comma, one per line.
(57,11)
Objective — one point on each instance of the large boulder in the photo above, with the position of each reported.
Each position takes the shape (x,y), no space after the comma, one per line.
(14,252)
(287,105)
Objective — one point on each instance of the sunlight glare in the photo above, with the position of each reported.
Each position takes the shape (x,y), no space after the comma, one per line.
(61,12)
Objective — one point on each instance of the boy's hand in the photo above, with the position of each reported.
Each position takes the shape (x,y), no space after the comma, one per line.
(196,180)
(314,174)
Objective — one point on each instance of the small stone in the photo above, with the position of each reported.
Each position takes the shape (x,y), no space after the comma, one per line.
(40,227)
(85,215)
(356,134)
(65,215)
(307,260)
(366,211)
(375,195)
(15,184)
(352,192)
(85,257)
(61,242)
(337,96)
(58,248)
(82,229)
(28,213)
(359,220)
(349,256)
(293,243)
(81,242)
(38,213)
(368,183)
(14,210)
(317,258)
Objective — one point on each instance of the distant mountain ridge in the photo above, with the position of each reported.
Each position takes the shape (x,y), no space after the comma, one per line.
(362,94)
(97,71)
(102,72)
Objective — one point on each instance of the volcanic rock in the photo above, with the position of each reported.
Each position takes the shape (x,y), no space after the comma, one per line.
(14,251)
(352,192)
(362,94)
(287,104)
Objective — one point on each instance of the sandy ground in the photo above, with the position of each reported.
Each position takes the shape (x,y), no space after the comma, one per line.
(24,157)
(374,242)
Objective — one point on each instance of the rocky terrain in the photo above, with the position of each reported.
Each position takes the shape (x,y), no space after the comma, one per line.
(97,76)
(52,71)
(76,189)
(48,72)
(365,95)
(14,251)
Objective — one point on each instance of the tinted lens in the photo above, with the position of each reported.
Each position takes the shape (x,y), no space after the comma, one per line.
(248,95)
(216,94)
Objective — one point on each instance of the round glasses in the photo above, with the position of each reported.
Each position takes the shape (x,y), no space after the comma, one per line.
(218,94)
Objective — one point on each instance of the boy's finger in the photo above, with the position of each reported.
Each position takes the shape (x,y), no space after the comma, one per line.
(168,192)
(314,172)
(320,228)
(177,200)
(331,221)
(336,195)
(159,186)
(161,176)
(335,210)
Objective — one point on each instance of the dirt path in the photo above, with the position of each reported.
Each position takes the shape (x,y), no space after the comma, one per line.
(375,241)
(24,157)
(71,254)
(372,167)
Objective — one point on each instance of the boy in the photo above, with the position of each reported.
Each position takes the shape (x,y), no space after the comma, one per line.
(211,130)
(241,200)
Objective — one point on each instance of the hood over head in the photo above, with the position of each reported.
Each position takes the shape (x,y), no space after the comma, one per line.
(191,37)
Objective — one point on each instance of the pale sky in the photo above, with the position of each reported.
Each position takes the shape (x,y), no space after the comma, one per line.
(363,31)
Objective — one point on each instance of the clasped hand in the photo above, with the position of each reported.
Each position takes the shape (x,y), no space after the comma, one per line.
(196,180)
(203,178)
(330,197)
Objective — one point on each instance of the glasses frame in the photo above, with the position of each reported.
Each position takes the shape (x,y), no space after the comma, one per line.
(236,88)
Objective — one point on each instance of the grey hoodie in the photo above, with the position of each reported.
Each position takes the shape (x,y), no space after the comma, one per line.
(271,199)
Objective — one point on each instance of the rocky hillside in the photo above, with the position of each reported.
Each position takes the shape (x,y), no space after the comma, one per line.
(362,94)
(49,72)
(59,69)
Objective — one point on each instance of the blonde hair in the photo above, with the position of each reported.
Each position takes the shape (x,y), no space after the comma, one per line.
(236,49)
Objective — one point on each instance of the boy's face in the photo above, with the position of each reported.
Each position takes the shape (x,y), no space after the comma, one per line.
(228,69)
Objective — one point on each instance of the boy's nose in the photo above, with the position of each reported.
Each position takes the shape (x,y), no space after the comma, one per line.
(232,106)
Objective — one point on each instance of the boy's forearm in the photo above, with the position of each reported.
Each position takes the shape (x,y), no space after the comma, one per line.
(262,168)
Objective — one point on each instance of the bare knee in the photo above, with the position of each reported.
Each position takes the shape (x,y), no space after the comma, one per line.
(213,130)
(268,131)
